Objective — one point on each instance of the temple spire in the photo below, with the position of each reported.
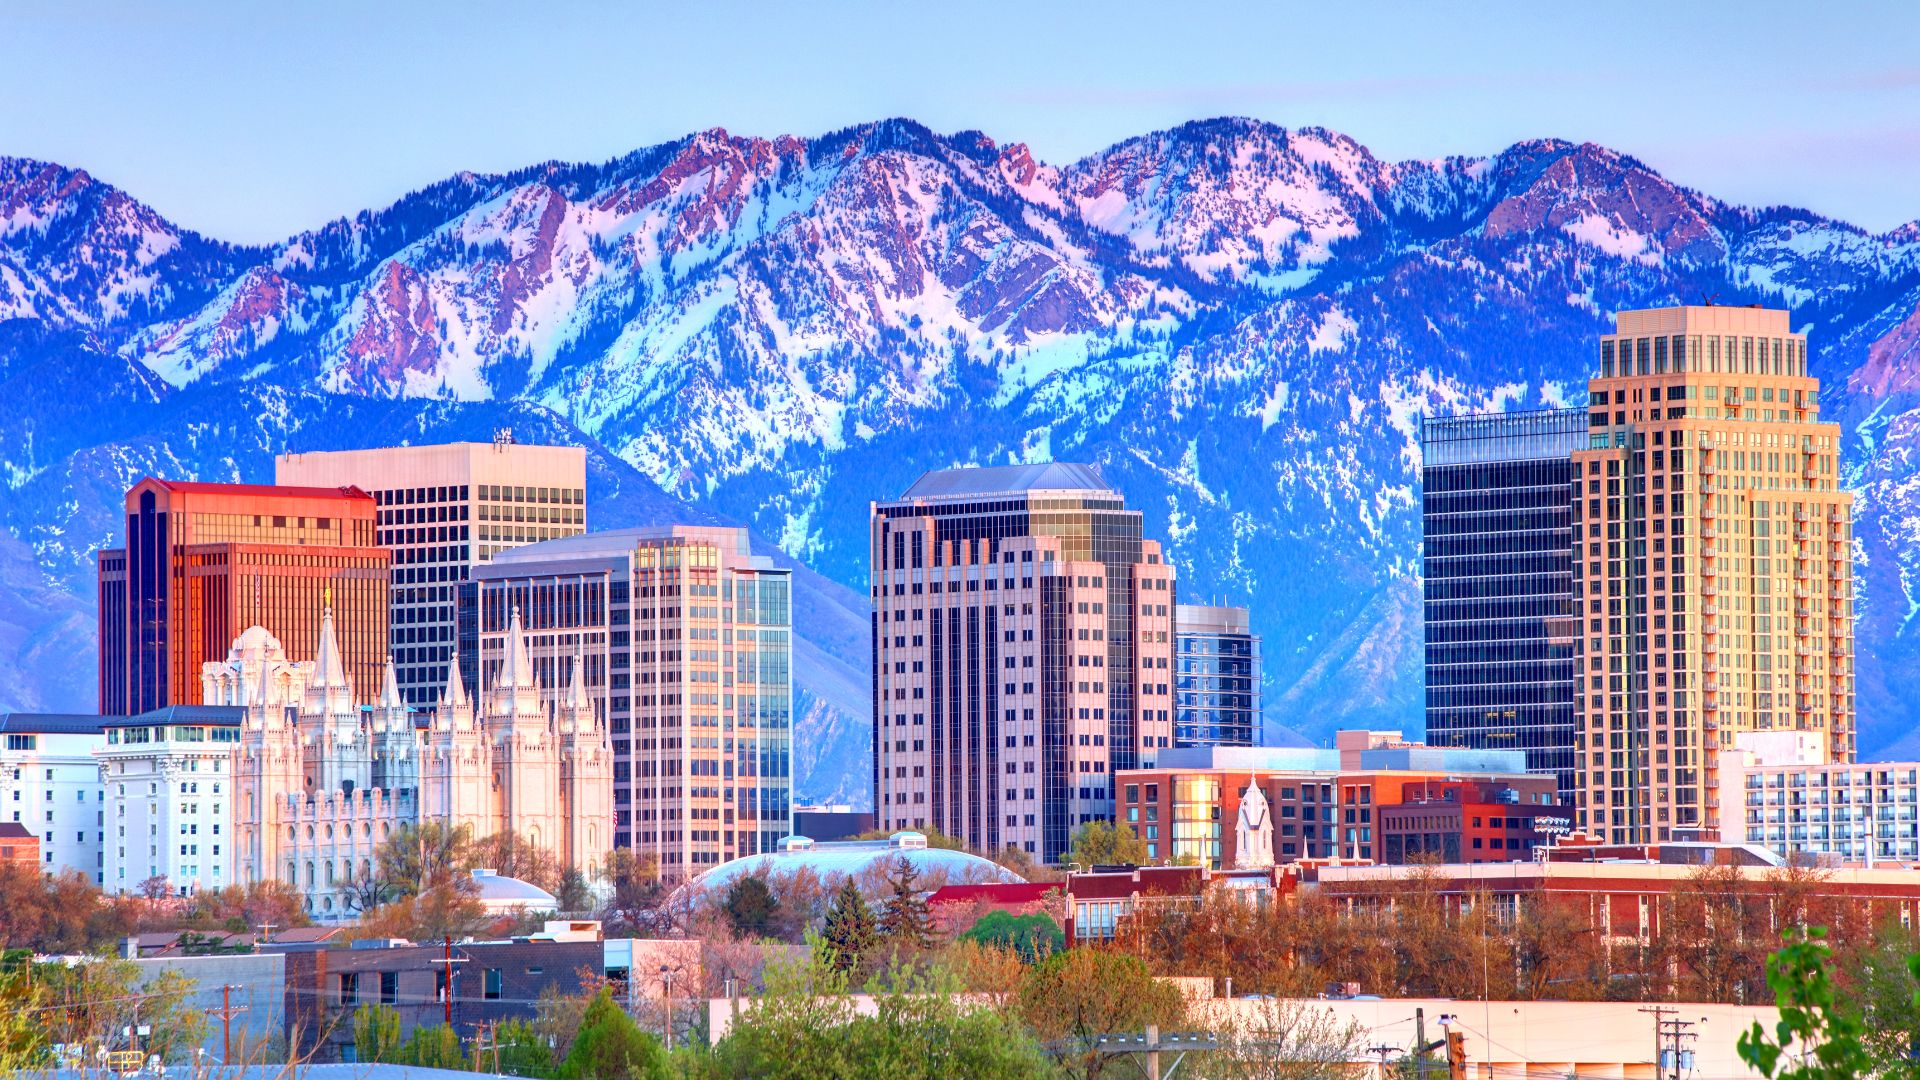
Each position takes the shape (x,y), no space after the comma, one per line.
(516,673)
(576,698)
(390,690)
(328,672)
(455,695)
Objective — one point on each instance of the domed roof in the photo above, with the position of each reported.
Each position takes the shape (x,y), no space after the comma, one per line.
(256,643)
(498,890)
(850,858)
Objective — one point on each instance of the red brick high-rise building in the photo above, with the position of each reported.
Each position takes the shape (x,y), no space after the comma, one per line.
(203,562)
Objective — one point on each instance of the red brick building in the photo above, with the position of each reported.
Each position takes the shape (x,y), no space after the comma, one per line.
(19,845)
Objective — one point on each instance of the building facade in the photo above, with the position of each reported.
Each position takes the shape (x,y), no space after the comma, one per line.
(1497,560)
(442,510)
(1712,565)
(1471,821)
(1216,682)
(205,561)
(1022,654)
(688,644)
(1782,793)
(169,781)
(316,782)
(1322,804)
(50,784)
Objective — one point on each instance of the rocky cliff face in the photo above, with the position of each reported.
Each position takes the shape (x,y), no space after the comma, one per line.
(1241,324)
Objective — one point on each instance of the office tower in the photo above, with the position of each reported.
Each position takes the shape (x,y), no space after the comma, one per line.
(1712,565)
(1498,564)
(1216,682)
(205,561)
(443,510)
(688,645)
(1022,653)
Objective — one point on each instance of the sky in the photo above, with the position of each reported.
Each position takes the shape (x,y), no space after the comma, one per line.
(250,122)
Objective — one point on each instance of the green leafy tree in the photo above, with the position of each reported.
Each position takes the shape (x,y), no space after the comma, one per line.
(750,907)
(435,1046)
(611,1046)
(376,1033)
(850,932)
(905,922)
(805,1027)
(1107,843)
(1074,998)
(518,1050)
(1033,937)
(1880,983)
(1832,1036)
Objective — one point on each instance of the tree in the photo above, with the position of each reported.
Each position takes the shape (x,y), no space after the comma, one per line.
(1286,1040)
(1107,843)
(805,1027)
(518,1050)
(1833,1037)
(611,1045)
(414,858)
(905,923)
(935,838)
(750,906)
(450,909)
(155,887)
(849,933)
(435,1046)
(1074,998)
(376,1033)
(515,856)
(1033,937)
(1879,984)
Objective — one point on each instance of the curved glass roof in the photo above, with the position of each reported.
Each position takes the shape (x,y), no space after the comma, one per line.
(851,858)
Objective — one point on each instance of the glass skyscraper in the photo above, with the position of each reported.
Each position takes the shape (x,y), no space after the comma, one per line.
(1216,684)
(1500,621)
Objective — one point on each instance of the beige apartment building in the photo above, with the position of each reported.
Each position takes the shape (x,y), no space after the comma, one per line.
(444,509)
(1712,566)
(686,645)
(1022,654)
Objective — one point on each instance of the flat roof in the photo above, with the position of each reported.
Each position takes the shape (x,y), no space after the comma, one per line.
(1008,480)
(167,715)
(620,543)
(201,487)
(26,723)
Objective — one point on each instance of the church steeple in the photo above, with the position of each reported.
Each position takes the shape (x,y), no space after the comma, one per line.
(516,672)
(328,672)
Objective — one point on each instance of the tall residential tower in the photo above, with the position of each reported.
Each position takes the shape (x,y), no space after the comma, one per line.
(1712,565)
(1022,653)
(1216,684)
(443,510)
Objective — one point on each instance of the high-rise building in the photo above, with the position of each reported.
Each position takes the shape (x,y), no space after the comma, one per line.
(1022,653)
(1216,682)
(1712,565)
(205,561)
(1498,566)
(443,510)
(688,640)
(168,784)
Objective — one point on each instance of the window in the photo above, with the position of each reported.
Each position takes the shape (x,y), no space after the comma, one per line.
(493,984)
(349,987)
(389,987)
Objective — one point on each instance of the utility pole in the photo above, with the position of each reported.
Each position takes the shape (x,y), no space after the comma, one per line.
(227,1013)
(1153,1052)
(1383,1051)
(447,961)
(1659,1014)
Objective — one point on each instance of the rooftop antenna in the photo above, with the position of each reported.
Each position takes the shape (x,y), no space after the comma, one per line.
(502,438)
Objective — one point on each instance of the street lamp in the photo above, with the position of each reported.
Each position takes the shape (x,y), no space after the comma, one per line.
(666,976)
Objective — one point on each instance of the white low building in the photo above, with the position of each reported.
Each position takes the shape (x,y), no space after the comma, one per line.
(168,777)
(50,784)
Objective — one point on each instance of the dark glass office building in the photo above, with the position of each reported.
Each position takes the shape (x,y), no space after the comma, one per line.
(1500,624)
(1216,684)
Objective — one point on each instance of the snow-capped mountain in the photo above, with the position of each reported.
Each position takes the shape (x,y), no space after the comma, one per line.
(1240,323)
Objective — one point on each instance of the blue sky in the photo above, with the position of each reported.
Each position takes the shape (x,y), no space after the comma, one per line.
(253,121)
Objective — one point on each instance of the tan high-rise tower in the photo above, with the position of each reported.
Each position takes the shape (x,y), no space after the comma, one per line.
(1712,565)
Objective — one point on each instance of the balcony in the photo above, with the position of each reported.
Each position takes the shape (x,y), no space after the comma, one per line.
(1707,569)
(1708,468)
(1709,611)
(1709,630)
(1710,667)
(1802,631)
(1803,613)
(1707,510)
(1709,589)
(1707,532)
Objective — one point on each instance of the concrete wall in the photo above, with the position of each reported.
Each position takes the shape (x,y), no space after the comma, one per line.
(259,985)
